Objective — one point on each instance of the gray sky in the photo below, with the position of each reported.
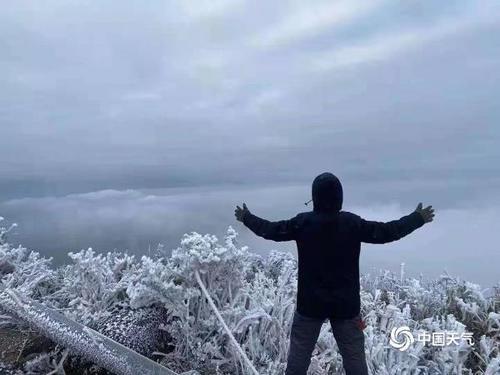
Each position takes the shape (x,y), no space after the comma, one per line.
(125,124)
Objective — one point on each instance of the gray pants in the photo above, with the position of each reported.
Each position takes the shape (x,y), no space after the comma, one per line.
(347,333)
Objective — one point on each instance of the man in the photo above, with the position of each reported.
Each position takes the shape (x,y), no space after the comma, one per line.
(328,243)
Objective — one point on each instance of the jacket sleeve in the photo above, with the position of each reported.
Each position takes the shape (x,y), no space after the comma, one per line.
(380,232)
(283,230)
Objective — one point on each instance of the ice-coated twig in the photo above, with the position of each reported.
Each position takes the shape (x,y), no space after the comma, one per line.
(60,366)
(221,320)
(22,350)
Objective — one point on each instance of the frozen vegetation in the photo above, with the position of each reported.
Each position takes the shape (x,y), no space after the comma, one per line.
(156,305)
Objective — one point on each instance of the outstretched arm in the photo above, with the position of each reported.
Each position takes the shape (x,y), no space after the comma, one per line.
(283,230)
(379,232)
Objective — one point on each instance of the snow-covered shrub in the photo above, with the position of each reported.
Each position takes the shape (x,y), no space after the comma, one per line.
(92,285)
(25,270)
(224,270)
(7,369)
(4,231)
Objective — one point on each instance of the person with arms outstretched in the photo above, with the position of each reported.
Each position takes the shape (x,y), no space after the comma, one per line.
(328,246)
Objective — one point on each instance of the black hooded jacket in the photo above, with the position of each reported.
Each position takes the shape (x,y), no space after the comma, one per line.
(328,244)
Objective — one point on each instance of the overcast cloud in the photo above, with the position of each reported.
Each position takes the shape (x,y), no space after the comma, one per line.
(126,124)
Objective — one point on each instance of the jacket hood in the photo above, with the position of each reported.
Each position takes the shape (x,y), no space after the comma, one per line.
(327,193)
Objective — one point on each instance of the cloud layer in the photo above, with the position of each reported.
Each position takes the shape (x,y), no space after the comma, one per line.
(460,241)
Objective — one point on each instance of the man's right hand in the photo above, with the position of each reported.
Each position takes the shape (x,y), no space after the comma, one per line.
(427,213)
(240,213)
